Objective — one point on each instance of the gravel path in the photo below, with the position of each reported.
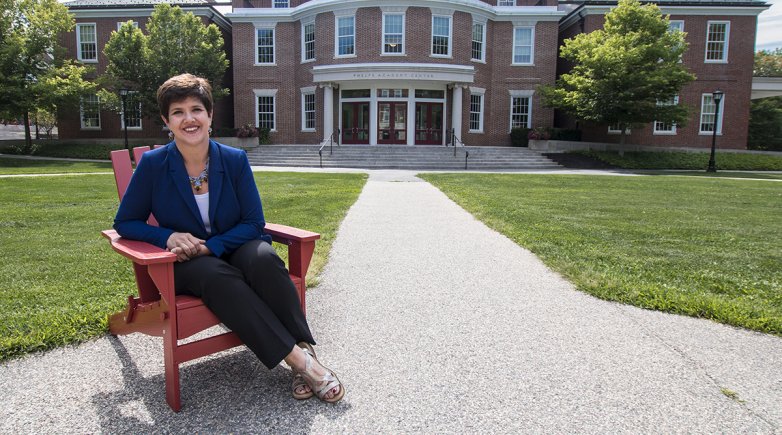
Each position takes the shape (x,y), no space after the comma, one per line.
(435,324)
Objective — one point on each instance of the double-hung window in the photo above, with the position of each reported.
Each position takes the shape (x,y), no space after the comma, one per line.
(308,109)
(393,33)
(662,127)
(479,41)
(441,36)
(281,3)
(120,23)
(520,109)
(708,112)
(476,110)
(86,42)
(523,46)
(265,46)
(89,111)
(133,107)
(506,3)
(265,100)
(346,36)
(308,42)
(717,35)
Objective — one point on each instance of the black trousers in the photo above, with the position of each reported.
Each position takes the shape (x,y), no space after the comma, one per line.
(251,292)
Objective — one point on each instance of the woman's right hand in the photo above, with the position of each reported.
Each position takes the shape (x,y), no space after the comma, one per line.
(185,245)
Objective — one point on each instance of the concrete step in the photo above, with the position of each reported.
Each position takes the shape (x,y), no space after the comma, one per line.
(400,157)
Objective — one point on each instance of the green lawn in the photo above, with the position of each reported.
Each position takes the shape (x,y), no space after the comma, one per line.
(705,247)
(10,165)
(59,278)
(689,160)
(719,174)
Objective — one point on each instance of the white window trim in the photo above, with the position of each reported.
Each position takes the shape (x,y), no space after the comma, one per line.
(482,93)
(681,28)
(672,131)
(727,42)
(519,94)
(719,120)
(304,43)
(532,47)
(336,37)
(287,5)
(274,45)
(140,119)
(617,131)
(265,93)
(120,23)
(78,43)
(450,38)
(309,90)
(383,35)
(483,43)
(81,116)
(511,1)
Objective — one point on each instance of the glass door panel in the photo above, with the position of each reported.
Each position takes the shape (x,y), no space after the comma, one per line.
(428,123)
(355,123)
(392,123)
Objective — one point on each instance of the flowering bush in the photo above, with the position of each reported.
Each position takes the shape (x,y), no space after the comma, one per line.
(539,133)
(247,130)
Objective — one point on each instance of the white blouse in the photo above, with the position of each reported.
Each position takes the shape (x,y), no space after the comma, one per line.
(203,207)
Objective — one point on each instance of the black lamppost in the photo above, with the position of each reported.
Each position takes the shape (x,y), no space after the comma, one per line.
(717,97)
(124,94)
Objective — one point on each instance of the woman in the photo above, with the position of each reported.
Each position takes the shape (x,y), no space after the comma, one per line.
(204,198)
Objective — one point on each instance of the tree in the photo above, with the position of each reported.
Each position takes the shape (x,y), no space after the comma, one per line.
(624,74)
(768,63)
(176,42)
(33,72)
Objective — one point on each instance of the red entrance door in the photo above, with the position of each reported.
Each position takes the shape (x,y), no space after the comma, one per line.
(355,123)
(392,123)
(428,123)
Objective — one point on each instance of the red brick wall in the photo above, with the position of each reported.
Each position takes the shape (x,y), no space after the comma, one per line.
(69,123)
(734,78)
(289,75)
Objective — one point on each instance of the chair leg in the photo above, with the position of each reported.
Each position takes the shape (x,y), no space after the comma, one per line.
(172,371)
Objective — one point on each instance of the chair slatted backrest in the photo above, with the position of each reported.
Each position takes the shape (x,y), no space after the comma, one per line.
(123,171)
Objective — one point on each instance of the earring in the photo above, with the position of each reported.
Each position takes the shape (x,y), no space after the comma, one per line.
(209,131)
(170,135)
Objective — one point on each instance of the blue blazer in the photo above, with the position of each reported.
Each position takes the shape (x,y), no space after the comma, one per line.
(160,186)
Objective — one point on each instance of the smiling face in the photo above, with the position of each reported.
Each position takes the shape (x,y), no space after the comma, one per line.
(189,120)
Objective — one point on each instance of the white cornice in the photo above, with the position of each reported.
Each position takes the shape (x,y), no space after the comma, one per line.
(123,13)
(475,7)
(394,71)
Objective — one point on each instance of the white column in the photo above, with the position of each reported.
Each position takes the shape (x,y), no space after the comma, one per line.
(411,115)
(328,111)
(373,116)
(456,113)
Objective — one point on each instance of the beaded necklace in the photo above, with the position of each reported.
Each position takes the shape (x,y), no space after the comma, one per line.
(201,178)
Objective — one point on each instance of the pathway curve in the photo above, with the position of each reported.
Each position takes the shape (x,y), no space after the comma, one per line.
(436,324)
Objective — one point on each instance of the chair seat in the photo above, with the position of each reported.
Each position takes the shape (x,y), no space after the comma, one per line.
(193,316)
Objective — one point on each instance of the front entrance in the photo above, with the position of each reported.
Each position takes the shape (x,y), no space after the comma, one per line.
(428,123)
(355,123)
(392,123)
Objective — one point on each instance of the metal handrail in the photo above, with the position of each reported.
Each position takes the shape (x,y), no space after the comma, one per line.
(335,135)
(454,141)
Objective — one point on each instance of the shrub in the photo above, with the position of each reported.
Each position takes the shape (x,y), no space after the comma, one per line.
(518,137)
(247,130)
(569,134)
(539,133)
(264,136)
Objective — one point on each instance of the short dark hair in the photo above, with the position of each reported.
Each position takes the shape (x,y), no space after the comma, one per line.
(180,87)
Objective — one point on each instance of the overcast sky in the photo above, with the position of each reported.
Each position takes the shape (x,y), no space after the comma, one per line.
(770,27)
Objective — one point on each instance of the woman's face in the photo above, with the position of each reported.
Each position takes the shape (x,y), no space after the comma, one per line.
(189,121)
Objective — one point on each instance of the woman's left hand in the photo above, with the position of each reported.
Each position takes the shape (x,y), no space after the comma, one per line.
(182,256)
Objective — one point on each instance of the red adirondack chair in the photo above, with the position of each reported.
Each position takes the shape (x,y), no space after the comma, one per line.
(152,313)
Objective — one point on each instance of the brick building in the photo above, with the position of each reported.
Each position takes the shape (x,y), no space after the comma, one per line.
(407,72)
(95,20)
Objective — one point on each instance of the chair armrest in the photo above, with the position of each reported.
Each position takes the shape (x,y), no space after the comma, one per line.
(287,235)
(139,252)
